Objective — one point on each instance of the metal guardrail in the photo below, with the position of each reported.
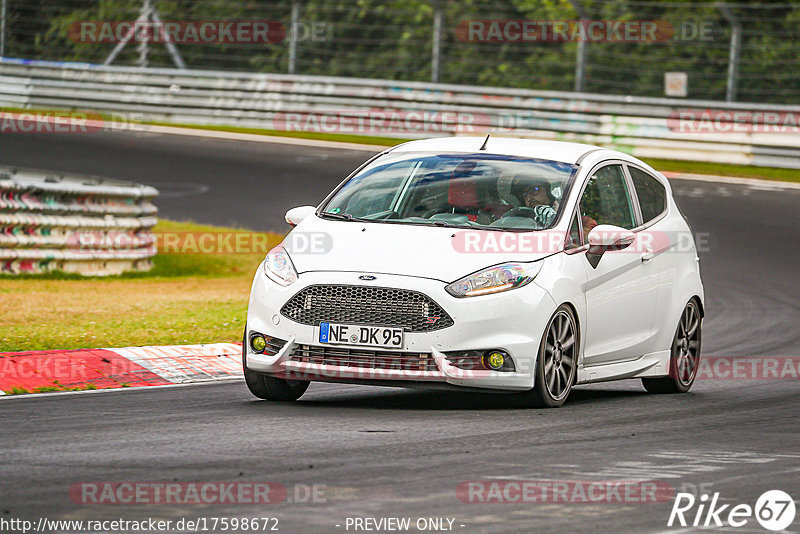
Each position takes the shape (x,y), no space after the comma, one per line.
(645,127)
(76,224)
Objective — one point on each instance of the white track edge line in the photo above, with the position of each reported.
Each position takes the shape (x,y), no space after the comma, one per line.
(132,388)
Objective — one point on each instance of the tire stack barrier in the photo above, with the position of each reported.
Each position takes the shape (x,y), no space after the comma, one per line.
(76,224)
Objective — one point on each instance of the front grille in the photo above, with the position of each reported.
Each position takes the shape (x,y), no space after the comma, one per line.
(363,358)
(380,306)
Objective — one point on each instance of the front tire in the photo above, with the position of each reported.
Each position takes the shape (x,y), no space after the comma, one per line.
(557,361)
(684,357)
(268,387)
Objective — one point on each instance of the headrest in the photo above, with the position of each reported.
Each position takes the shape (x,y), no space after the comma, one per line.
(463,193)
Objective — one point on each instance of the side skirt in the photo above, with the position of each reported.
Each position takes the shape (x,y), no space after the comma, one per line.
(649,365)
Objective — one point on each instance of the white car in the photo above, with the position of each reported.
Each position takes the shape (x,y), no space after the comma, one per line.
(503,265)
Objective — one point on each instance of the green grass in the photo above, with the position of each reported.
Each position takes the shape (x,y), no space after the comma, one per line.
(46,389)
(319,136)
(51,389)
(724,169)
(205,265)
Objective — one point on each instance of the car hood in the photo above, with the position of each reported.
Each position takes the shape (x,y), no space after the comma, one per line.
(439,253)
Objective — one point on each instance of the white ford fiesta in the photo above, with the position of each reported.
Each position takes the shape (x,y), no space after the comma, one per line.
(504,265)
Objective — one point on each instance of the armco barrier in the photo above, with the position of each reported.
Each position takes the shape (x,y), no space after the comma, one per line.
(77,224)
(645,127)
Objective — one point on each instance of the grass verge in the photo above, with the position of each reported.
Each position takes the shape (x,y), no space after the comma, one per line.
(318,136)
(724,169)
(186,298)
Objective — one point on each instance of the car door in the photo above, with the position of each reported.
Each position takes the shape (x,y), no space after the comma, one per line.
(664,233)
(621,291)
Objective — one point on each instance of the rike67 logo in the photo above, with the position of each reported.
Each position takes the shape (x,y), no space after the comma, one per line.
(774,510)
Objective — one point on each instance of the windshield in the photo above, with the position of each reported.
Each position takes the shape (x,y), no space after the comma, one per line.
(460,190)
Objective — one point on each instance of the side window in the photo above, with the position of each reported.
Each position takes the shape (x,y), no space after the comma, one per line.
(606,200)
(574,236)
(651,193)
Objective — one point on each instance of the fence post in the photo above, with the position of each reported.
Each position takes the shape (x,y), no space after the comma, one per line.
(144,45)
(580,56)
(436,47)
(295,22)
(734,52)
(171,48)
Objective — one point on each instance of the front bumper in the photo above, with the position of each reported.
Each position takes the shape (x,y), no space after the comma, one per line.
(512,321)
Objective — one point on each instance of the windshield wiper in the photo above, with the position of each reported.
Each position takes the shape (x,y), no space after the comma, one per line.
(445,224)
(439,223)
(339,216)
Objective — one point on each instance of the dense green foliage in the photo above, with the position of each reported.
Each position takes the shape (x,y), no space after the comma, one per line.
(393,39)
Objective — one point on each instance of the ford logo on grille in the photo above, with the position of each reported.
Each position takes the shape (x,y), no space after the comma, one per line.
(366,277)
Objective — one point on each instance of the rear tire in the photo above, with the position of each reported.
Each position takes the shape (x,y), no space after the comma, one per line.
(684,357)
(268,387)
(557,361)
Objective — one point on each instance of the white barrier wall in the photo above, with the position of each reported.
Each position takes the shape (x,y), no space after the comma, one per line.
(749,134)
(77,224)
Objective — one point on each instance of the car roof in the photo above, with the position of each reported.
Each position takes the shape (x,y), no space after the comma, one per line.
(530,148)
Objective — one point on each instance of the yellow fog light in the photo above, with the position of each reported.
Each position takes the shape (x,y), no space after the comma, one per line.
(258,343)
(494,360)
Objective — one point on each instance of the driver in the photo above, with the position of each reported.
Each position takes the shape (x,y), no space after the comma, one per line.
(535,195)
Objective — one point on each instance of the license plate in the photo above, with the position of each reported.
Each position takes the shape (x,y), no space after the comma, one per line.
(350,334)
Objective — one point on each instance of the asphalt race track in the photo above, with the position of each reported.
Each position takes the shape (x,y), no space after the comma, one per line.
(384,452)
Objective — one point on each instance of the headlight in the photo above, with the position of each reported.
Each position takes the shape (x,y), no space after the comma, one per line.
(495,279)
(278,267)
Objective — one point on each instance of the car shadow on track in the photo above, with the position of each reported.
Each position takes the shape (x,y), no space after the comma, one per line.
(411,399)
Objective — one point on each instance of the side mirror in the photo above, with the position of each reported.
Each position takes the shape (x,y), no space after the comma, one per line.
(605,237)
(296,215)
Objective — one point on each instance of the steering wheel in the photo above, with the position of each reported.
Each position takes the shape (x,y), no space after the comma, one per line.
(433,211)
(521,211)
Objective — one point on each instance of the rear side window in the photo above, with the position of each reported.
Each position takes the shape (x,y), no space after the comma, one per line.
(652,194)
(606,200)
